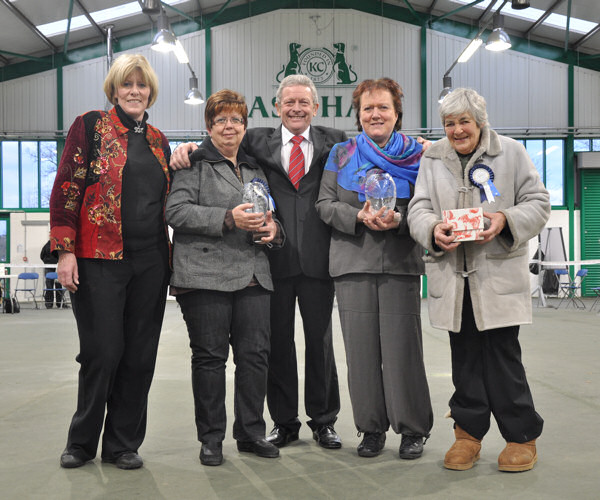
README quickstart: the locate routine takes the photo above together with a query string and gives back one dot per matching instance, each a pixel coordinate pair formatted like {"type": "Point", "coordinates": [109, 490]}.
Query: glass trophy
{"type": "Point", "coordinates": [256, 193]}
{"type": "Point", "coordinates": [380, 190]}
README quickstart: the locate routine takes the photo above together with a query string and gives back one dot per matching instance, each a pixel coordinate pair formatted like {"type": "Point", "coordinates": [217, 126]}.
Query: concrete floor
{"type": "Point", "coordinates": [38, 377]}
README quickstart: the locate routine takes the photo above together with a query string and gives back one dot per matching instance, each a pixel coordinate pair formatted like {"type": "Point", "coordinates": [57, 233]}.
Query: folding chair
{"type": "Point", "coordinates": [570, 289]}
{"type": "Point", "coordinates": [596, 290]}
{"type": "Point", "coordinates": [49, 292]}
{"type": "Point", "coordinates": [27, 284]}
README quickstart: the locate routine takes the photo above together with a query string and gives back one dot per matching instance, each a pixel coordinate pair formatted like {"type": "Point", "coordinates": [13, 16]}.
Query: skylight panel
{"type": "Point", "coordinates": [100, 17]}
{"type": "Point", "coordinates": [532, 14]}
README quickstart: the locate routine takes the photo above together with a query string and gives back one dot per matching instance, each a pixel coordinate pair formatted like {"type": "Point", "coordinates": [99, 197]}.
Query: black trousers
{"type": "Point", "coordinates": [321, 389]}
{"type": "Point", "coordinates": [489, 378]}
{"type": "Point", "coordinates": [119, 308]}
{"type": "Point", "coordinates": [214, 320]}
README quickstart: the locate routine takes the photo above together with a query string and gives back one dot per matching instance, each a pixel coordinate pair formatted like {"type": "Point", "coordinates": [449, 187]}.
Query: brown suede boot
{"type": "Point", "coordinates": [517, 457]}
{"type": "Point", "coordinates": [464, 452]}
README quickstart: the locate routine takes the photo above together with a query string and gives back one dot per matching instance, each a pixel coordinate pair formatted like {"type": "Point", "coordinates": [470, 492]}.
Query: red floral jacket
{"type": "Point", "coordinates": [85, 204]}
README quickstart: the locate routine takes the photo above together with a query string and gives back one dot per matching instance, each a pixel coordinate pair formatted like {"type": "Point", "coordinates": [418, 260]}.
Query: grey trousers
{"type": "Point", "coordinates": [381, 326]}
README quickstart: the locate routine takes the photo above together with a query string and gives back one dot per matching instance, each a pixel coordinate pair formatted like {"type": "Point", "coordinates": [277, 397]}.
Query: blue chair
{"type": "Point", "coordinates": [571, 289]}
{"type": "Point", "coordinates": [49, 292]}
{"type": "Point", "coordinates": [27, 285]}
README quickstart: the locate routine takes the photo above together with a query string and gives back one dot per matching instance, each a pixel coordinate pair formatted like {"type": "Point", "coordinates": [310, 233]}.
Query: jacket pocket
{"type": "Point", "coordinates": [507, 273]}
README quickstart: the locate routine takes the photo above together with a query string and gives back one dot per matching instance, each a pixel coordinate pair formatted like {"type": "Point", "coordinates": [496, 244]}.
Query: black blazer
{"type": "Point", "coordinates": [306, 250]}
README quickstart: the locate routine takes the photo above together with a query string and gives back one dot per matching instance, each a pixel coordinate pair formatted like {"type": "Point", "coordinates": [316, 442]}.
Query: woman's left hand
{"type": "Point", "coordinates": [269, 230]}
{"type": "Point", "coordinates": [378, 221]}
{"type": "Point", "coordinates": [497, 223]}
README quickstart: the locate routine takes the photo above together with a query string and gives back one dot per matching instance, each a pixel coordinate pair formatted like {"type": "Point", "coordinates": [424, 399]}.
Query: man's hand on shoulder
{"type": "Point", "coordinates": [181, 156]}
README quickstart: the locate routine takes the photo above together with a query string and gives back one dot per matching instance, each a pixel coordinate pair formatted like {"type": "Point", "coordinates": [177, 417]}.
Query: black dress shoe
{"type": "Point", "coordinates": [211, 454]}
{"type": "Point", "coordinates": [126, 461]}
{"type": "Point", "coordinates": [326, 436]}
{"type": "Point", "coordinates": [372, 444]}
{"type": "Point", "coordinates": [280, 436]}
{"type": "Point", "coordinates": [261, 448]}
{"type": "Point", "coordinates": [411, 447]}
{"type": "Point", "coordinates": [73, 459]}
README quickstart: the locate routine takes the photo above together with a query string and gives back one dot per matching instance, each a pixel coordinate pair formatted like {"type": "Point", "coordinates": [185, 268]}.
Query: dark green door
{"type": "Point", "coordinates": [590, 226]}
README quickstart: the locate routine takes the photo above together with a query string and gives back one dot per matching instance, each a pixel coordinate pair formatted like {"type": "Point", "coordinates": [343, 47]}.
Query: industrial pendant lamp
{"type": "Point", "coordinates": [151, 6]}
{"type": "Point", "coordinates": [498, 39]}
{"type": "Point", "coordinates": [193, 96]}
{"type": "Point", "coordinates": [447, 88]}
{"type": "Point", "coordinates": [520, 4]}
{"type": "Point", "coordinates": [164, 40]}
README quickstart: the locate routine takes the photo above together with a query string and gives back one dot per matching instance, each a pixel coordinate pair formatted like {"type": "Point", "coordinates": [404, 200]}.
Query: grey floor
{"type": "Point", "coordinates": [38, 377]}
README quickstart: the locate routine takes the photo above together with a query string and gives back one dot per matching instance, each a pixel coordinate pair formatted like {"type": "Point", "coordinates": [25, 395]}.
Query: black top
{"type": "Point", "coordinates": [143, 192]}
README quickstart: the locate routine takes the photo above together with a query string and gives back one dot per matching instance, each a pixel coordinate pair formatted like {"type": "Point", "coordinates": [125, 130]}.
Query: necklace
{"type": "Point", "coordinates": [139, 126]}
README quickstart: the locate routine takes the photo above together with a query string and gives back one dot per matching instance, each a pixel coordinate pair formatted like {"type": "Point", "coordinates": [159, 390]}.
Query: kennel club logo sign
{"type": "Point", "coordinates": [323, 66]}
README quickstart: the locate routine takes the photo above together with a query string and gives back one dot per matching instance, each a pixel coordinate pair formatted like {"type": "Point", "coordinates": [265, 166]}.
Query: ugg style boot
{"type": "Point", "coordinates": [464, 452]}
{"type": "Point", "coordinates": [518, 457]}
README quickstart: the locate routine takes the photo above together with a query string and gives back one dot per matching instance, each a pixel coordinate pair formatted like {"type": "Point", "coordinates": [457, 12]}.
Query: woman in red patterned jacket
{"type": "Point", "coordinates": [108, 229]}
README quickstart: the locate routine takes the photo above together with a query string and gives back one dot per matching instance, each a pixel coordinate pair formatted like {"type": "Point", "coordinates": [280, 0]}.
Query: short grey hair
{"type": "Point", "coordinates": [463, 100]}
{"type": "Point", "coordinates": [293, 80]}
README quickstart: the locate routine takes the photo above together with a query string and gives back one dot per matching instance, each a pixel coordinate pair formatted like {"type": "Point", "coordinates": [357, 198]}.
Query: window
{"type": "Point", "coordinates": [3, 239]}
{"type": "Point", "coordinates": [548, 157]}
{"type": "Point", "coordinates": [27, 171]}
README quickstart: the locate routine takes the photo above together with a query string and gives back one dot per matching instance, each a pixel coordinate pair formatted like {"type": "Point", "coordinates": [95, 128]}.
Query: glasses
{"type": "Point", "coordinates": [234, 121]}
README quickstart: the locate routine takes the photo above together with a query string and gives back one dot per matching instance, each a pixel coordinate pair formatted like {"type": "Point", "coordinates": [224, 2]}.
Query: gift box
{"type": "Point", "coordinates": [467, 223]}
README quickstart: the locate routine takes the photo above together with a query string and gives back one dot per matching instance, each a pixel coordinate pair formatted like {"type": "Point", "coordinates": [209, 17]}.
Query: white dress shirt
{"type": "Point", "coordinates": [286, 148]}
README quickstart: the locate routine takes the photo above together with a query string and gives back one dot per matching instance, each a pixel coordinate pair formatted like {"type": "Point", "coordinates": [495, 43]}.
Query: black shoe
{"type": "Point", "coordinates": [73, 459]}
{"type": "Point", "coordinates": [211, 454]}
{"type": "Point", "coordinates": [261, 448]}
{"type": "Point", "coordinates": [411, 447]}
{"type": "Point", "coordinates": [126, 461]}
{"type": "Point", "coordinates": [326, 436]}
{"type": "Point", "coordinates": [372, 444]}
{"type": "Point", "coordinates": [280, 436]}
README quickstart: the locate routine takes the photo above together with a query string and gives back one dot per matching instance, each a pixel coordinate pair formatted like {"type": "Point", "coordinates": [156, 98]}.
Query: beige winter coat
{"type": "Point", "coordinates": [497, 271]}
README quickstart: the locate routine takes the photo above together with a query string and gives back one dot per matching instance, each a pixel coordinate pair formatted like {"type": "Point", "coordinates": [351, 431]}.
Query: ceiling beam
{"type": "Point", "coordinates": [544, 16]}
{"type": "Point", "coordinates": [456, 11]}
{"type": "Point", "coordinates": [90, 19]}
{"type": "Point", "coordinates": [29, 24]}
{"type": "Point", "coordinates": [23, 56]}
{"type": "Point", "coordinates": [586, 37]}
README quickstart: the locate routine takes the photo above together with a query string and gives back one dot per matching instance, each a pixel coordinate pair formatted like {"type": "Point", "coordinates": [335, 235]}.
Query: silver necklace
{"type": "Point", "coordinates": [139, 126]}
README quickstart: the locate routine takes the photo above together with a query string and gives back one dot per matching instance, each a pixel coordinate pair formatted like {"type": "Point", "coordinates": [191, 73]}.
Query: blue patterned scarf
{"type": "Point", "coordinates": [354, 158]}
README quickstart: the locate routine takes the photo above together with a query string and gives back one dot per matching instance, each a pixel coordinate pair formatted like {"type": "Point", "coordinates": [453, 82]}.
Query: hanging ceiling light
{"type": "Point", "coordinates": [194, 96]}
{"type": "Point", "coordinates": [180, 52]}
{"type": "Point", "coordinates": [151, 6]}
{"type": "Point", "coordinates": [520, 4]}
{"type": "Point", "coordinates": [470, 49]}
{"type": "Point", "coordinates": [498, 39]}
{"type": "Point", "coordinates": [164, 40]}
{"type": "Point", "coordinates": [447, 88]}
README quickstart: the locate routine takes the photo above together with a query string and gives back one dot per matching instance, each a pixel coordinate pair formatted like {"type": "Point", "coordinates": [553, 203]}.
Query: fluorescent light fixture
{"type": "Point", "coordinates": [194, 97]}
{"type": "Point", "coordinates": [180, 53]}
{"type": "Point", "coordinates": [470, 49]}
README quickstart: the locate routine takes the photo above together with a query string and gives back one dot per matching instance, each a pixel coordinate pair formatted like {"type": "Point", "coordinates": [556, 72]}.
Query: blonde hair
{"type": "Point", "coordinates": [120, 70]}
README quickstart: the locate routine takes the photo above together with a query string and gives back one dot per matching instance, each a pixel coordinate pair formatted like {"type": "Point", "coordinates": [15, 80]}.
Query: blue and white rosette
{"type": "Point", "coordinates": [482, 177]}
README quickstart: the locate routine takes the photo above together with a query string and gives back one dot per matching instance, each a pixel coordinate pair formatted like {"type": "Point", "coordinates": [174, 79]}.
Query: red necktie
{"type": "Point", "coordinates": [296, 170]}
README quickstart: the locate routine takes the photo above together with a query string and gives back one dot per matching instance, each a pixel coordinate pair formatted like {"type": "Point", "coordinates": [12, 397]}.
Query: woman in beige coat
{"type": "Point", "coordinates": [479, 290]}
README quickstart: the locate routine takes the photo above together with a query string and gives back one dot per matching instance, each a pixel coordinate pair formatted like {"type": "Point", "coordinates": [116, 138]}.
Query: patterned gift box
{"type": "Point", "coordinates": [466, 223]}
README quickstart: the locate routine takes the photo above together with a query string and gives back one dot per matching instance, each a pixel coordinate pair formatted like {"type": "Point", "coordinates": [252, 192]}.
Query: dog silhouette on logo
{"type": "Point", "coordinates": [342, 69]}
{"type": "Point", "coordinates": [293, 66]}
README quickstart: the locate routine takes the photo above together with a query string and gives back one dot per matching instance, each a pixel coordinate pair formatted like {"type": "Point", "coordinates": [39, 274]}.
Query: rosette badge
{"type": "Point", "coordinates": [380, 190]}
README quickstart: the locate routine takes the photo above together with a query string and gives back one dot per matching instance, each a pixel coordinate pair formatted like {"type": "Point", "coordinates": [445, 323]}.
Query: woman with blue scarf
{"type": "Point", "coordinates": [376, 267]}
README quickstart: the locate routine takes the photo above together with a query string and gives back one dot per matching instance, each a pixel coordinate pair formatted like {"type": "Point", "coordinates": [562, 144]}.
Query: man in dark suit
{"type": "Point", "coordinates": [300, 268]}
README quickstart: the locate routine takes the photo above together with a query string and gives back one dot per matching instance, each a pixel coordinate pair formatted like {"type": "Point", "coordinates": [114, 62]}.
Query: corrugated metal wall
{"type": "Point", "coordinates": [587, 99]}
{"type": "Point", "coordinates": [29, 104]}
{"type": "Point", "coordinates": [374, 47]}
{"type": "Point", "coordinates": [522, 91]}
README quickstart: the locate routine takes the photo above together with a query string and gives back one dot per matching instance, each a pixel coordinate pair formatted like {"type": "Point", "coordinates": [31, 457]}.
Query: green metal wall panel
{"type": "Point", "coordinates": [590, 226]}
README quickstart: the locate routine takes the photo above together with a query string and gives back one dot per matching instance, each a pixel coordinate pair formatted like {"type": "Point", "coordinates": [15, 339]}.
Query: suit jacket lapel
{"type": "Point", "coordinates": [274, 144]}
{"type": "Point", "coordinates": [223, 169]}
{"type": "Point", "coordinates": [318, 141]}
